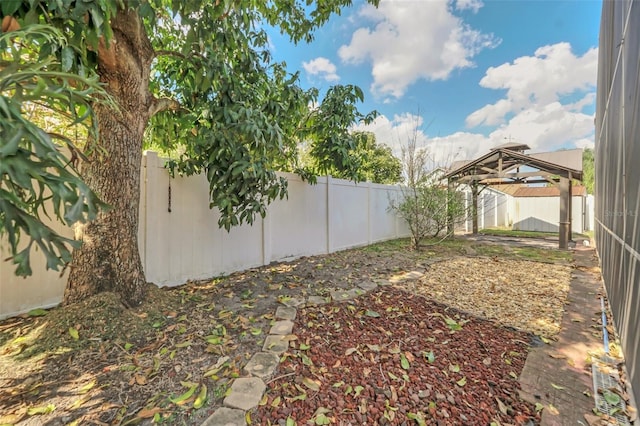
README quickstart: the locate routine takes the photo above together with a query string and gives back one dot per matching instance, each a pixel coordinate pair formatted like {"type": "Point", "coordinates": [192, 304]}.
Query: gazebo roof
{"type": "Point", "coordinates": [513, 146]}
{"type": "Point", "coordinates": [502, 165]}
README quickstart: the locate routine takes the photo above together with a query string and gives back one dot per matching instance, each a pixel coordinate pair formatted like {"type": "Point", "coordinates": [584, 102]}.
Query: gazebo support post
{"type": "Point", "coordinates": [474, 207]}
{"type": "Point", "coordinates": [565, 213]}
{"type": "Point", "coordinates": [450, 224]}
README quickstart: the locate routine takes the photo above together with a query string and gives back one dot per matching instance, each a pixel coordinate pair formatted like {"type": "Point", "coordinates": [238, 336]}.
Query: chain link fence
{"type": "Point", "coordinates": [617, 221]}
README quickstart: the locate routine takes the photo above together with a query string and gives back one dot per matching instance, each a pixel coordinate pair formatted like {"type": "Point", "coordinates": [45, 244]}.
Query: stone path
{"type": "Point", "coordinates": [246, 392]}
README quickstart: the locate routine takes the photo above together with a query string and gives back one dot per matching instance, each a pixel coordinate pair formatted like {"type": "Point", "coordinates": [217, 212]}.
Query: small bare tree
{"type": "Point", "coordinates": [426, 203]}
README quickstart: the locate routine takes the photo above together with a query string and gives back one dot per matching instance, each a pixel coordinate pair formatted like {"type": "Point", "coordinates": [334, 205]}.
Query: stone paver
{"type": "Point", "coordinates": [276, 344]}
{"type": "Point", "coordinates": [339, 295]}
{"type": "Point", "coordinates": [262, 364]}
{"type": "Point", "coordinates": [317, 300]}
{"type": "Point", "coordinates": [294, 302]}
{"type": "Point", "coordinates": [246, 393]}
{"type": "Point", "coordinates": [282, 327]}
{"type": "Point", "coordinates": [224, 416]}
{"type": "Point", "coordinates": [286, 312]}
{"type": "Point", "coordinates": [368, 285]}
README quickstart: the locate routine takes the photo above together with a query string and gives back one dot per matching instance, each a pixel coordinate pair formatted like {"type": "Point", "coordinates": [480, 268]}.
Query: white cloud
{"type": "Point", "coordinates": [412, 40]}
{"type": "Point", "coordinates": [546, 96]}
{"type": "Point", "coordinates": [545, 128]}
{"type": "Point", "coordinates": [472, 5]}
{"type": "Point", "coordinates": [532, 111]}
{"type": "Point", "coordinates": [554, 71]}
{"type": "Point", "coordinates": [548, 127]}
{"type": "Point", "coordinates": [397, 132]}
{"type": "Point", "coordinates": [587, 100]}
{"type": "Point", "coordinates": [321, 67]}
{"type": "Point", "coordinates": [585, 143]}
{"type": "Point", "coordinates": [490, 115]}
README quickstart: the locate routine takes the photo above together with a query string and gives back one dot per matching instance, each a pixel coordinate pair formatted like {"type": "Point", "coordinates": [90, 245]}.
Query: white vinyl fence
{"type": "Point", "coordinates": [493, 209]}
{"type": "Point", "coordinates": [180, 240]}
{"type": "Point", "coordinates": [497, 209]}
{"type": "Point", "coordinates": [543, 214]}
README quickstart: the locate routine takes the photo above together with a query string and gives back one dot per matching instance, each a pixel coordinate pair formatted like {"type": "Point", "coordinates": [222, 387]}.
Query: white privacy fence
{"type": "Point", "coordinates": [542, 214]}
{"type": "Point", "coordinates": [493, 209]}
{"type": "Point", "coordinates": [180, 240]}
{"type": "Point", "coordinates": [497, 209]}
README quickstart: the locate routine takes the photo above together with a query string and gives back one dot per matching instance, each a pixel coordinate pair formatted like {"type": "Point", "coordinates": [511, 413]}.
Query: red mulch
{"type": "Point", "coordinates": [394, 358]}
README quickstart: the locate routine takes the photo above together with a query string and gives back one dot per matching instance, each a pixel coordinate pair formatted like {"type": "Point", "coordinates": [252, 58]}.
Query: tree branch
{"type": "Point", "coordinates": [175, 54]}
{"type": "Point", "coordinates": [163, 104]}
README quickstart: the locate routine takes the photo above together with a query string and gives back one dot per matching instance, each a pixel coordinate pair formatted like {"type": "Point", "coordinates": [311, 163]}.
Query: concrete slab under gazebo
{"type": "Point", "coordinates": [502, 165]}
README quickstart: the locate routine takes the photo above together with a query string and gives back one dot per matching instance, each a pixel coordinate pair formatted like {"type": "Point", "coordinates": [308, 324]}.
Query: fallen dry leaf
{"type": "Point", "coordinates": [171, 349]}
{"type": "Point", "coordinates": [147, 413]}
{"type": "Point", "coordinates": [557, 356]}
{"type": "Point", "coordinates": [440, 380]}
{"type": "Point", "coordinates": [140, 379]}
{"type": "Point", "coordinates": [517, 293]}
{"type": "Point", "coordinates": [553, 410]}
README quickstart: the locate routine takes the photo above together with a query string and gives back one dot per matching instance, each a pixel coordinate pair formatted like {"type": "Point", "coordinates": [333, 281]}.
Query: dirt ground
{"type": "Point", "coordinates": [172, 359]}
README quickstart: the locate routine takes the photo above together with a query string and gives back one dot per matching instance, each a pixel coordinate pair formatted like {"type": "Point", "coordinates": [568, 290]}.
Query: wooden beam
{"type": "Point", "coordinates": [517, 181]}
{"type": "Point", "coordinates": [450, 224]}
{"type": "Point", "coordinates": [504, 176]}
{"type": "Point", "coordinates": [565, 211]}
{"type": "Point", "coordinates": [474, 208]}
{"type": "Point", "coordinates": [570, 213]}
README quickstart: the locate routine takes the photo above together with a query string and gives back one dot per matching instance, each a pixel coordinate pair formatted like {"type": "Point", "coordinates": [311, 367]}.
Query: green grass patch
{"type": "Point", "coordinates": [542, 255]}
{"type": "Point", "coordinates": [527, 253]}
{"type": "Point", "coordinates": [450, 247]}
{"type": "Point", "coordinates": [502, 232]}
{"type": "Point", "coordinates": [387, 246]}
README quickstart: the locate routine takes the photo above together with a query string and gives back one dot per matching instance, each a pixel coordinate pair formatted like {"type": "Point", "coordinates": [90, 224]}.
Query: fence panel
{"type": "Point", "coordinates": [543, 214]}
{"type": "Point", "coordinates": [298, 225]}
{"type": "Point", "coordinates": [42, 289]}
{"type": "Point", "coordinates": [182, 239]}
{"type": "Point", "coordinates": [384, 224]}
{"type": "Point", "coordinates": [179, 237]}
{"type": "Point", "coordinates": [349, 214]}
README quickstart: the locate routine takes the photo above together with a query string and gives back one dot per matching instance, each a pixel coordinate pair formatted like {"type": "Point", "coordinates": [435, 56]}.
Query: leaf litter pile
{"type": "Point", "coordinates": [172, 360]}
{"type": "Point", "coordinates": [517, 293]}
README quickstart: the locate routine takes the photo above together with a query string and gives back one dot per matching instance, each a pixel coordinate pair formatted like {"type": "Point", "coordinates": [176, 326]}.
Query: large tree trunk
{"type": "Point", "coordinates": [109, 259]}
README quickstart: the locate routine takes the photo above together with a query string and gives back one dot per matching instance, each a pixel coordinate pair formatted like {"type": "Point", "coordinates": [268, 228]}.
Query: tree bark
{"type": "Point", "coordinates": [109, 259]}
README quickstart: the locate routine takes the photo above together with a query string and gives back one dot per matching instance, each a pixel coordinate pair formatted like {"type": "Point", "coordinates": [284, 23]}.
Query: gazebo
{"type": "Point", "coordinates": [508, 164]}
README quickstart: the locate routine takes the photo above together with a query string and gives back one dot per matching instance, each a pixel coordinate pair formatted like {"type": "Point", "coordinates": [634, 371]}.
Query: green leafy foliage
{"type": "Point", "coordinates": [36, 173]}
{"type": "Point", "coordinates": [367, 161]}
{"type": "Point", "coordinates": [241, 117]}
{"type": "Point", "coordinates": [213, 94]}
{"type": "Point", "coordinates": [426, 209]}
{"type": "Point", "coordinates": [377, 164]}
{"type": "Point", "coordinates": [327, 129]}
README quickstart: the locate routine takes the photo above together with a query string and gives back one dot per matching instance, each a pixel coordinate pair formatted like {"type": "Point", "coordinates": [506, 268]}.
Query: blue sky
{"type": "Point", "coordinates": [468, 74]}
